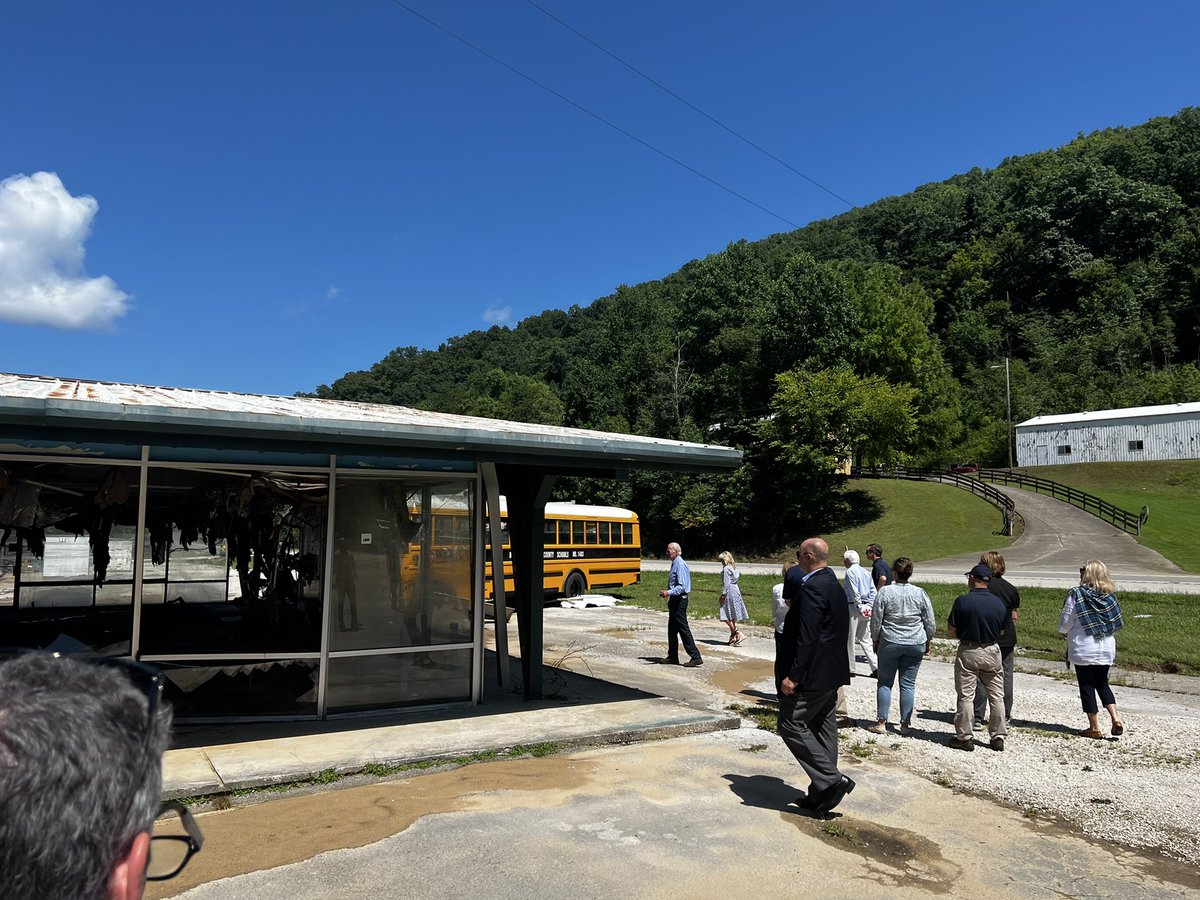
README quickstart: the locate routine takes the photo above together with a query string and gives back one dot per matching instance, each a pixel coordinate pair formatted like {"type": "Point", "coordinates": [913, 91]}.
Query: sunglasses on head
{"type": "Point", "coordinates": [169, 853]}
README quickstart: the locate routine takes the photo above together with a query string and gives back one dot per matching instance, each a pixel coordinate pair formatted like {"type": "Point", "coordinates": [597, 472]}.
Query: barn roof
{"type": "Point", "coordinates": [1101, 415]}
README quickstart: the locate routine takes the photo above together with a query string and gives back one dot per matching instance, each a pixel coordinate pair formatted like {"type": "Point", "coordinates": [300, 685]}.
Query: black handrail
{"type": "Point", "coordinates": [1127, 521]}
{"type": "Point", "coordinates": [995, 497]}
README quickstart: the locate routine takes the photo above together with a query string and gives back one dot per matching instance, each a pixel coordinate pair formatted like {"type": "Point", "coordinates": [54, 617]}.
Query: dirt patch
{"type": "Point", "coordinates": [294, 829]}
{"type": "Point", "coordinates": [895, 856]}
{"type": "Point", "coordinates": [629, 633]}
{"type": "Point", "coordinates": [736, 679]}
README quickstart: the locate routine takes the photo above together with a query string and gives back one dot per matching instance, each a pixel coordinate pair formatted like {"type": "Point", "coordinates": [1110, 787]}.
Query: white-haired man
{"type": "Point", "coordinates": [860, 599]}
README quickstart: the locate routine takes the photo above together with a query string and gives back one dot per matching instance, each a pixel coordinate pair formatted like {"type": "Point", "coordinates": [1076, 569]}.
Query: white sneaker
{"type": "Point", "coordinates": [878, 728]}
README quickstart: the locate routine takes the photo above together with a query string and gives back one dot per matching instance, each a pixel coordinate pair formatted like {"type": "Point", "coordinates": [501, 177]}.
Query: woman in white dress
{"type": "Point", "coordinates": [733, 607]}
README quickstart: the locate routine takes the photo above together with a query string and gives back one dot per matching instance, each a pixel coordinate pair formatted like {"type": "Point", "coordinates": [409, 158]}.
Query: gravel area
{"type": "Point", "coordinates": [1141, 790]}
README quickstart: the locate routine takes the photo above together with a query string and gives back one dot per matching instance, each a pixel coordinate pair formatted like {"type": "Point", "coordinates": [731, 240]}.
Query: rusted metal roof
{"type": "Point", "coordinates": [46, 400]}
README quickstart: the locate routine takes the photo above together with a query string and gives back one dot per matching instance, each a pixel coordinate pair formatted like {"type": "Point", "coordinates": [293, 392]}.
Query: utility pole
{"type": "Point", "coordinates": [1008, 432]}
{"type": "Point", "coordinates": [1008, 407]}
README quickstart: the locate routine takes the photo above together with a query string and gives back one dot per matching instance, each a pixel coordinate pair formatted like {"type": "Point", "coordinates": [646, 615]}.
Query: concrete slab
{"type": "Point", "coordinates": [188, 773]}
{"type": "Point", "coordinates": [238, 764]}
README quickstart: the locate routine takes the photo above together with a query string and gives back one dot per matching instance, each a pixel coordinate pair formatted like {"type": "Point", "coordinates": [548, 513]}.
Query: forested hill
{"type": "Point", "coordinates": [873, 333]}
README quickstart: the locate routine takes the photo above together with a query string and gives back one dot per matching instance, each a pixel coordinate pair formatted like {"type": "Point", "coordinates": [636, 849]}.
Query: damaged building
{"type": "Point", "coordinates": [281, 557]}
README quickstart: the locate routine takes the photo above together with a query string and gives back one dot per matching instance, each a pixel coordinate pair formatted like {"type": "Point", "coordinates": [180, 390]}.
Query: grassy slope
{"type": "Point", "coordinates": [1163, 640]}
{"type": "Point", "coordinates": [926, 521]}
{"type": "Point", "coordinates": [1170, 489]}
{"type": "Point", "coordinates": [923, 521]}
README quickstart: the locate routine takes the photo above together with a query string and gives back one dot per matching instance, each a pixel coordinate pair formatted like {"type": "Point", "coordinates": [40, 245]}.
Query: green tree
{"type": "Point", "coordinates": [822, 420]}
{"type": "Point", "coordinates": [496, 394]}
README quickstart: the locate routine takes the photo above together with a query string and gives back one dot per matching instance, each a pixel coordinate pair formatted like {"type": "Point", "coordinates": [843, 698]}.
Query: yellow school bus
{"type": "Point", "coordinates": [587, 548]}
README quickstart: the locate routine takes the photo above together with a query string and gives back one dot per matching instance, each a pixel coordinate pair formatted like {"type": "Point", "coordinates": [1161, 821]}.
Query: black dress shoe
{"type": "Point", "coordinates": [669, 661]}
{"type": "Point", "coordinates": [805, 802]}
{"type": "Point", "coordinates": [835, 795]}
{"type": "Point", "coordinates": [814, 798]}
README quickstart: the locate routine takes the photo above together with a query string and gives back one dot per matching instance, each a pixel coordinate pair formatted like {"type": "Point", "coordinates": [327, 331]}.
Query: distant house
{"type": "Point", "coordinates": [1111, 435]}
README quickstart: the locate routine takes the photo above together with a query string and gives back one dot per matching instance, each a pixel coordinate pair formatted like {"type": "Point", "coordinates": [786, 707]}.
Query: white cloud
{"type": "Point", "coordinates": [42, 282]}
{"type": "Point", "coordinates": [497, 315]}
{"type": "Point", "coordinates": [334, 293]}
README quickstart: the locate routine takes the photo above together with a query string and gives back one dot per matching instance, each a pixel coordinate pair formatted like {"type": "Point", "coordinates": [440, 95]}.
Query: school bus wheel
{"type": "Point", "coordinates": [574, 585]}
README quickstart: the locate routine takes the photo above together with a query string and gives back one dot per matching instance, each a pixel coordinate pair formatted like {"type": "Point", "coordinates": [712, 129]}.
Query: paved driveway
{"type": "Point", "coordinates": [1057, 539]}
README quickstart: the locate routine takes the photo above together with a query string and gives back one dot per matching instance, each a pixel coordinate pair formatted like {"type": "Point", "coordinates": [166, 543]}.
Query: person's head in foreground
{"type": "Point", "coordinates": [81, 744]}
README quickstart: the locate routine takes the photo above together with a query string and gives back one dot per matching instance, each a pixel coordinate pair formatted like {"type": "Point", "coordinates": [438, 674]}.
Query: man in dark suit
{"type": "Point", "coordinates": [813, 654]}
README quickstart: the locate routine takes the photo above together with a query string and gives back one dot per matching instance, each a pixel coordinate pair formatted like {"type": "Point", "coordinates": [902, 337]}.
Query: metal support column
{"type": "Point", "coordinates": [526, 490]}
{"type": "Point", "coordinates": [327, 604]}
{"type": "Point", "coordinates": [139, 544]}
{"type": "Point", "coordinates": [491, 491]}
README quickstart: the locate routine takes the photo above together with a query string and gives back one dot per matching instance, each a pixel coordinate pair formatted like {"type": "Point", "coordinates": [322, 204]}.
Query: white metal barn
{"type": "Point", "coordinates": [1111, 435]}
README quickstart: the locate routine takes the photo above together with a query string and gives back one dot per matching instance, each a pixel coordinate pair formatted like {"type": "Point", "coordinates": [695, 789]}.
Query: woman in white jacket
{"type": "Point", "coordinates": [1091, 616]}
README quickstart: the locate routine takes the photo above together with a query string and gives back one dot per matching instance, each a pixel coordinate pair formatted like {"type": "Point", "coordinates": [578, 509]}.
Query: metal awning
{"type": "Point", "coordinates": [140, 413]}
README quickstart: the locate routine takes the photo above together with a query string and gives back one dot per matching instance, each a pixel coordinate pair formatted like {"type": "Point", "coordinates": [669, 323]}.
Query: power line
{"type": "Point", "coordinates": [596, 116]}
{"type": "Point", "coordinates": [689, 104]}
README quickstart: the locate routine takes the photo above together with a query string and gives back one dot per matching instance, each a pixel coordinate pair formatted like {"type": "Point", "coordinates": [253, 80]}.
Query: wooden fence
{"type": "Point", "coordinates": [1127, 521]}
{"type": "Point", "coordinates": [997, 498]}
{"type": "Point", "coordinates": [980, 483]}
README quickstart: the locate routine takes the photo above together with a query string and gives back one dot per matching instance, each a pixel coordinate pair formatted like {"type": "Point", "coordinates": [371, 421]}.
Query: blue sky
{"type": "Point", "coordinates": [281, 192]}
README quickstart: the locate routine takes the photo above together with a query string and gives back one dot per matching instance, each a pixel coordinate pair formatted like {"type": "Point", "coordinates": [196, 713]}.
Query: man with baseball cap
{"type": "Point", "coordinates": [976, 619]}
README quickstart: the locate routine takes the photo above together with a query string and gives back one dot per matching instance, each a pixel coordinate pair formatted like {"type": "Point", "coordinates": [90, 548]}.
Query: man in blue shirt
{"type": "Point", "coordinates": [679, 585]}
{"type": "Point", "coordinates": [881, 572]}
{"type": "Point", "coordinates": [976, 619]}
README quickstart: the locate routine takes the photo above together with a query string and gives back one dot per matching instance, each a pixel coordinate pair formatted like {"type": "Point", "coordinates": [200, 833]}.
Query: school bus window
{"type": "Point", "coordinates": [626, 532]}
{"type": "Point", "coordinates": [603, 532]}
{"type": "Point", "coordinates": [550, 534]}
{"type": "Point", "coordinates": [576, 532]}
{"type": "Point", "coordinates": [591, 529]}
{"type": "Point", "coordinates": [456, 529]}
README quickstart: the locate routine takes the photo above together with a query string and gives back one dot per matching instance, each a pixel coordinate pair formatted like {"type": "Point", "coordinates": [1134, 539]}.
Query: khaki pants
{"type": "Point", "coordinates": [982, 661]}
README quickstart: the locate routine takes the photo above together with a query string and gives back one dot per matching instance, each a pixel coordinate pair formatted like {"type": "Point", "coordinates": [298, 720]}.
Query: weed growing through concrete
{"type": "Point", "coordinates": [765, 717]}
{"type": "Point", "coordinates": [554, 684]}
{"type": "Point", "coordinates": [546, 748]}
{"type": "Point", "coordinates": [754, 748]}
{"type": "Point", "coordinates": [834, 829]}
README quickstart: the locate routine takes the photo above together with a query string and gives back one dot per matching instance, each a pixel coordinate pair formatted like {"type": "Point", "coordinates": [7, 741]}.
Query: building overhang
{"type": "Point", "coordinates": [42, 407]}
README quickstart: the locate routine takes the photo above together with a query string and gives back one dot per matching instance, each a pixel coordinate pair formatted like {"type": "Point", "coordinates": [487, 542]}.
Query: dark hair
{"type": "Point", "coordinates": [902, 568]}
{"type": "Point", "coordinates": [78, 781]}
{"type": "Point", "coordinates": [875, 548]}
